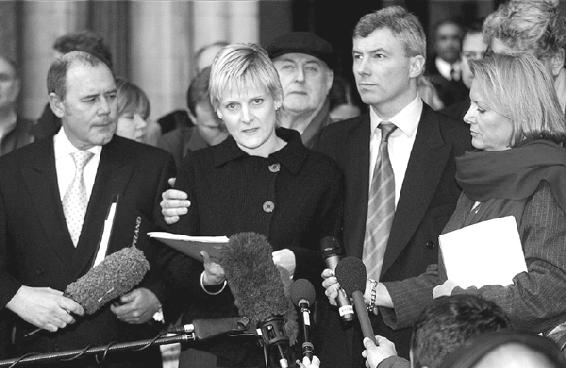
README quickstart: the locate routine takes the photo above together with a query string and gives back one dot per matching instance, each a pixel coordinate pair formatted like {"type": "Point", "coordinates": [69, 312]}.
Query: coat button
{"type": "Point", "coordinates": [268, 206]}
{"type": "Point", "coordinates": [430, 244]}
{"type": "Point", "coordinates": [274, 167]}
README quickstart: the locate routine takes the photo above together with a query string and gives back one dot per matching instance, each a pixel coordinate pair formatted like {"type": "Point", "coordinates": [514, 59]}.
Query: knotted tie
{"type": "Point", "coordinates": [381, 207]}
{"type": "Point", "coordinates": [75, 201]}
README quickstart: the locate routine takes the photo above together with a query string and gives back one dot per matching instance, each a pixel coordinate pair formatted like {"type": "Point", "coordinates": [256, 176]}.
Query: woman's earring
{"type": "Point", "coordinates": [219, 115]}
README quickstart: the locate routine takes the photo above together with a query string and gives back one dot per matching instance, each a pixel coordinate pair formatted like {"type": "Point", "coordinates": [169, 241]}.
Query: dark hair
{"type": "Point", "coordinates": [87, 41]}
{"type": "Point", "coordinates": [481, 346]}
{"type": "Point", "coordinates": [198, 90]}
{"type": "Point", "coordinates": [475, 26]}
{"type": "Point", "coordinates": [57, 74]}
{"type": "Point", "coordinates": [453, 21]}
{"type": "Point", "coordinates": [449, 322]}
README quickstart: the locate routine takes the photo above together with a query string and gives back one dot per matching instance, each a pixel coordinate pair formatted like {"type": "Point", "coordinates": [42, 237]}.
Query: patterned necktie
{"type": "Point", "coordinates": [75, 201]}
{"type": "Point", "coordinates": [381, 207]}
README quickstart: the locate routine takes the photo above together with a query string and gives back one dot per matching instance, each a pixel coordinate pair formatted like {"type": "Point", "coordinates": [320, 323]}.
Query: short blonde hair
{"type": "Point", "coordinates": [239, 66]}
{"type": "Point", "coordinates": [519, 87]}
{"type": "Point", "coordinates": [531, 26]}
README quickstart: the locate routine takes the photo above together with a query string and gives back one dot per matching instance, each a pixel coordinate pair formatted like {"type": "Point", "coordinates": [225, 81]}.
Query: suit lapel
{"type": "Point", "coordinates": [40, 177]}
{"type": "Point", "coordinates": [356, 173]}
{"type": "Point", "coordinates": [426, 165]}
{"type": "Point", "coordinates": [112, 178]}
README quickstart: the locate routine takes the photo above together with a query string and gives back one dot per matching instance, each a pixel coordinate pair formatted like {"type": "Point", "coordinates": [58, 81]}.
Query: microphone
{"type": "Point", "coordinates": [331, 250]}
{"type": "Point", "coordinates": [117, 274]}
{"type": "Point", "coordinates": [352, 275]}
{"type": "Point", "coordinates": [303, 296]}
{"type": "Point", "coordinates": [258, 291]}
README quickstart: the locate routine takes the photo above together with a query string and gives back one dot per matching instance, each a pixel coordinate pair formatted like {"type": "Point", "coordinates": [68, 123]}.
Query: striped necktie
{"type": "Point", "coordinates": [381, 207]}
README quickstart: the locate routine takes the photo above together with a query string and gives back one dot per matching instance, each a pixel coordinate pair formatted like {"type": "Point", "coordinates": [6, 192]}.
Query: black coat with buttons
{"type": "Point", "coordinates": [294, 197]}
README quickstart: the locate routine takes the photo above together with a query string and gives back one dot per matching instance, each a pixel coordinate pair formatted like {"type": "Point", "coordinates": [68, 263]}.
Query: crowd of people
{"type": "Point", "coordinates": [271, 143]}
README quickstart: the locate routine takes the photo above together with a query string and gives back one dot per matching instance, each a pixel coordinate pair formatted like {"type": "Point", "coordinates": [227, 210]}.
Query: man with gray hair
{"type": "Point", "coordinates": [53, 210]}
{"type": "Point", "coordinates": [399, 170]}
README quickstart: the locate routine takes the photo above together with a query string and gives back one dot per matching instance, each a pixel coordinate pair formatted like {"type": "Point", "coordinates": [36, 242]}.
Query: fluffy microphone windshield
{"type": "Point", "coordinates": [351, 274]}
{"type": "Point", "coordinates": [302, 290]}
{"type": "Point", "coordinates": [117, 274]}
{"type": "Point", "coordinates": [253, 278]}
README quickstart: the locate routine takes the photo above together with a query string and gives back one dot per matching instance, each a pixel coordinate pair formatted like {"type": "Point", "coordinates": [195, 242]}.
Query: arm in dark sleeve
{"type": "Point", "coordinates": [536, 298]}
{"type": "Point", "coordinates": [8, 284]}
{"type": "Point", "coordinates": [329, 216]}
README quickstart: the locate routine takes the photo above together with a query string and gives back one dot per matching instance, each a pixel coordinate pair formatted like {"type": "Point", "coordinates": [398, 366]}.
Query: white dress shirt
{"type": "Point", "coordinates": [444, 67]}
{"type": "Point", "coordinates": [65, 165]}
{"type": "Point", "coordinates": [400, 143]}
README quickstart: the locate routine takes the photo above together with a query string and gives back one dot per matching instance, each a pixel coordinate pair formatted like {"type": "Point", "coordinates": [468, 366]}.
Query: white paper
{"type": "Point", "coordinates": [486, 253]}
{"type": "Point", "coordinates": [105, 238]}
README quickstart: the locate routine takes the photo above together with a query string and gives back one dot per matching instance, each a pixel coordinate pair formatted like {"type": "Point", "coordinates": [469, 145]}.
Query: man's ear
{"type": "Point", "coordinates": [192, 117]}
{"type": "Point", "coordinates": [416, 66]}
{"type": "Point", "coordinates": [57, 105]}
{"type": "Point", "coordinates": [329, 80]}
{"type": "Point", "coordinates": [556, 62]}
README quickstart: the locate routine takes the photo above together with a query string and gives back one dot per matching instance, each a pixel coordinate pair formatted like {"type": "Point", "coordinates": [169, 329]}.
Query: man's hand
{"type": "Point", "coordinates": [307, 363]}
{"type": "Point", "coordinates": [330, 284]}
{"type": "Point", "coordinates": [44, 307]}
{"type": "Point", "coordinates": [286, 259]}
{"type": "Point", "coordinates": [137, 306]}
{"type": "Point", "coordinates": [375, 354]}
{"type": "Point", "coordinates": [443, 290]}
{"type": "Point", "coordinates": [174, 204]}
{"type": "Point", "coordinates": [213, 272]}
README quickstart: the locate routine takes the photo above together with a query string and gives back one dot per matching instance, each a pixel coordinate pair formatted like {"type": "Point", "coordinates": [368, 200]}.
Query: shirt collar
{"type": "Point", "coordinates": [406, 120]}
{"type": "Point", "coordinates": [292, 156]}
{"type": "Point", "coordinates": [443, 67]}
{"type": "Point", "coordinates": [63, 146]}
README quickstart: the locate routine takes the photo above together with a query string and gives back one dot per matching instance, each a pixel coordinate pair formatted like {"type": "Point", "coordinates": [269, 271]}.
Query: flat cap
{"type": "Point", "coordinates": [304, 43]}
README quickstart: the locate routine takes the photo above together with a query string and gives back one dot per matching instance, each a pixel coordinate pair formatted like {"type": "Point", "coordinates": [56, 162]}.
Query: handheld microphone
{"type": "Point", "coordinates": [303, 296]}
{"type": "Point", "coordinates": [331, 250]}
{"type": "Point", "coordinates": [116, 275]}
{"type": "Point", "coordinates": [258, 290]}
{"type": "Point", "coordinates": [352, 275]}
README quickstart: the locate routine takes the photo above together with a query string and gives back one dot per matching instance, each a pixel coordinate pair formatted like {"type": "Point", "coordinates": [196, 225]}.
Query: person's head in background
{"type": "Point", "coordinates": [512, 101]}
{"type": "Point", "coordinates": [133, 111]}
{"type": "Point", "coordinates": [246, 93]}
{"type": "Point", "coordinates": [448, 324]}
{"type": "Point", "coordinates": [473, 48]}
{"type": "Point", "coordinates": [304, 62]}
{"type": "Point", "coordinates": [342, 105]}
{"type": "Point", "coordinates": [86, 41]}
{"type": "Point", "coordinates": [389, 52]}
{"type": "Point", "coordinates": [507, 349]}
{"type": "Point", "coordinates": [205, 55]}
{"type": "Point", "coordinates": [533, 26]}
{"type": "Point", "coordinates": [201, 112]}
{"type": "Point", "coordinates": [447, 38]}
{"type": "Point", "coordinates": [9, 85]}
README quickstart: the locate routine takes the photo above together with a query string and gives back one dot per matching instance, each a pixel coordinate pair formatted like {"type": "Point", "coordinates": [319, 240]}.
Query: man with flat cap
{"type": "Point", "coordinates": [304, 62]}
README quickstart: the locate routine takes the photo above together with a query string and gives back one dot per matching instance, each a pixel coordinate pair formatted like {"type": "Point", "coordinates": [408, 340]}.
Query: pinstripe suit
{"type": "Point", "coordinates": [535, 301]}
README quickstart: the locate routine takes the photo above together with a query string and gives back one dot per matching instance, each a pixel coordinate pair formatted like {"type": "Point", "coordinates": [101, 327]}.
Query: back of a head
{"type": "Point", "coordinates": [404, 25]}
{"type": "Point", "coordinates": [240, 66]}
{"type": "Point", "coordinates": [87, 41]}
{"type": "Point", "coordinates": [507, 349]}
{"type": "Point", "coordinates": [204, 56]}
{"type": "Point", "coordinates": [449, 323]}
{"type": "Point", "coordinates": [198, 90]}
{"type": "Point", "coordinates": [528, 25]}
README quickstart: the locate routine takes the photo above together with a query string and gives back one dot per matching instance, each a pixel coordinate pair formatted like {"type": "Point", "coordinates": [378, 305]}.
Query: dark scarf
{"type": "Point", "coordinates": [513, 174]}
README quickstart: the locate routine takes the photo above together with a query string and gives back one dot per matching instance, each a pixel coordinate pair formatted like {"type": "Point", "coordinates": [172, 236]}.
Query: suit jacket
{"type": "Point", "coordinates": [36, 248]}
{"type": "Point", "coordinates": [448, 91]}
{"type": "Point", "coordinates": [428, 197]}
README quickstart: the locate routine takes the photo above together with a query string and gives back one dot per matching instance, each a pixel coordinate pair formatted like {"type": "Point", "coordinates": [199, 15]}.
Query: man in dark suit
{"type": "Point", "coordinates": [53, 206]}
{"type": "Point", "coordinates": [389, 51]}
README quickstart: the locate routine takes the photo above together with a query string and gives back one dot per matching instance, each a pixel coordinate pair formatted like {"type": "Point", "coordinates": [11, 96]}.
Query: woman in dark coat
{"type": "Point", "coordinates": [260, 179]}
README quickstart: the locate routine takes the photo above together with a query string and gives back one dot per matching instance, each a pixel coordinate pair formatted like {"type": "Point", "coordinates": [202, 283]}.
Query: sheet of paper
{"type": "Point", "coordinates": [192, 245]}
{"type": "Point", "coordinates": [486, 253]}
